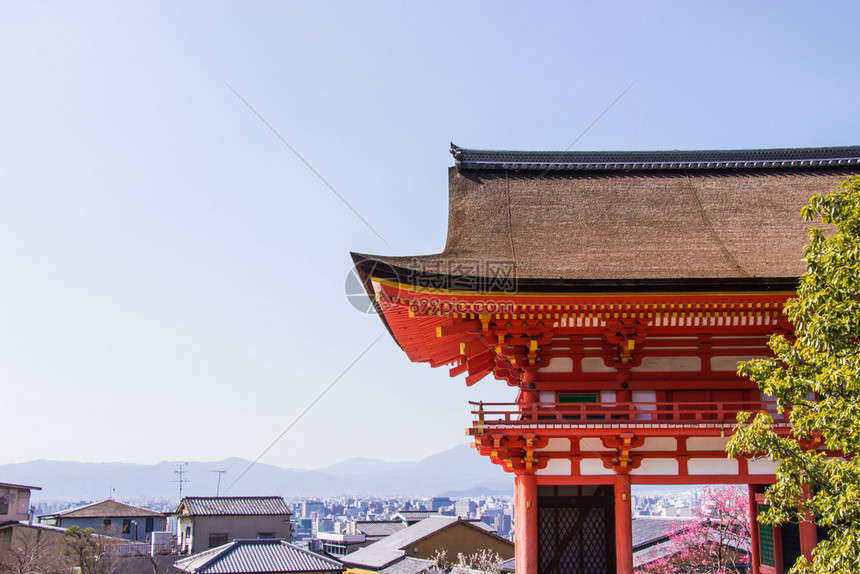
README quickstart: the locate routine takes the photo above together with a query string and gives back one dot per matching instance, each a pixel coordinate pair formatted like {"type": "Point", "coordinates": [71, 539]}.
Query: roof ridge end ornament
{"type": "Point", "coordinates": [456, 151]}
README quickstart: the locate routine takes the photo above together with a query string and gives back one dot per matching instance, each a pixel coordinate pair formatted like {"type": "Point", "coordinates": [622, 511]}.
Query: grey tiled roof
{"type": "Point", "coordinates": [662, 547]}
{"type": "Point", "coordinates": [389, 549]}
{"type": "Point", "coordinates": [413, 515]}
{"type": "Point", "coordinates": [409, 565]}
{"type": "Point", "coordinates": [235, 505]}
{"type": "Point", "coordinates": [649, 530]}
{"type": "Point", "coordinates": [257, 556]}
{"type": "Point", "coordinates": [105, 508]}
{"type": "Point", "coordinates": [379, 527]}
{"type": "Point", "coordinates": [778, 158]}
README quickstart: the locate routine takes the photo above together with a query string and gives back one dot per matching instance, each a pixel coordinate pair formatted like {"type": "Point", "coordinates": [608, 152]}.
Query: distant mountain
{"type": "Point", "coordinates": [456, 469]}
{"type": "Point", "coordinates": [357, 466]}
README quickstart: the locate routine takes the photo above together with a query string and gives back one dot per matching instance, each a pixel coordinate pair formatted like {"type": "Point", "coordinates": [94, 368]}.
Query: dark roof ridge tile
{"type": "Point", "coordinates": [765, 158]}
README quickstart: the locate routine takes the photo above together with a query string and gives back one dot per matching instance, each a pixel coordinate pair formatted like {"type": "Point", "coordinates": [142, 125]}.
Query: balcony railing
{"type": "Point", "coordinates": [633, 413]}
{"type": "Point", "coordinates": [140, 549]}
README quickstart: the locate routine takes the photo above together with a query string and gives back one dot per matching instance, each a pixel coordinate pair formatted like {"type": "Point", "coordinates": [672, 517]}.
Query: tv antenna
{"type": "Point", "coordinates": [181, 480]}
{"type": "Point", "coordinates": [220, 472]}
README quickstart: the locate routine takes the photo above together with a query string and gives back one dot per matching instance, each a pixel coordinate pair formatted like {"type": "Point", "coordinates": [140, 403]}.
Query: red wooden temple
{"type": "Point", "coordinates": [617, 292]}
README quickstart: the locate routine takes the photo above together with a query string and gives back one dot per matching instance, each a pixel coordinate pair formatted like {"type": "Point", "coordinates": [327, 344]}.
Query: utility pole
{"type": "Point", "coordinates": [220, 472]}
{"type": "Point", "coordinates": [182, 480]}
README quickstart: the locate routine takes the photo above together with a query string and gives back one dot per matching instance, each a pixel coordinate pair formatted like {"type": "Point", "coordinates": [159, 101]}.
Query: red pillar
{"type": "Point", "coordinates": [525, 537]}
{"type": "Point", "coordinates": [755, 547]}
{"type": "Point", "coordinates": [808, 532]}
{"type": "Point", "coordinates": [808, 539]}
{"type": "Point", "coordinates": [777, 550]}
{"type": "Point", "coordinates": [623, 525]}
{"type": "Point", "coordinates": [529, 398]}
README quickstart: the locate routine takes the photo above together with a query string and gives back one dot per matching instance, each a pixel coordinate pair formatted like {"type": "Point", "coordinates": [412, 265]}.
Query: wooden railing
{"type": "Point", "coordinates": [704, 412]}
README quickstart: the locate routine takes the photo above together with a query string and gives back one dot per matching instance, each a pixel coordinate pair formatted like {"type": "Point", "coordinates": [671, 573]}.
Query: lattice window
{"type": "Point", "coordinates": [765, 536]}
{"type": "Point", "coordinates": [576, 535]}
{"type": "Point", "coordinates": [576, 398]}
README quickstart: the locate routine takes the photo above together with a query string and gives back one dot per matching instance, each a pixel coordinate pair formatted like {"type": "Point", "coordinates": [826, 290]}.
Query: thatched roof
{"type": "Point", "coordinates": [557, 218]}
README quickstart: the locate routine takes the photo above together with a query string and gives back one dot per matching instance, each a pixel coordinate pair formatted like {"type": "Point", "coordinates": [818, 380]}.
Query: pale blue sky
{"type": "Point", "coordinates": [171, 275]}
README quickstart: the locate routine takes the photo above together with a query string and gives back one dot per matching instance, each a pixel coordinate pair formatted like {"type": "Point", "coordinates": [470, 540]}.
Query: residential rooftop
{"type": "Point", "coordinates": [104, 508]}
{"type": "Point", "coordinates": [23, 486]}
{"type": "Point", "coordinates": [388, 550]}
{"type": "Point", "coordinates": [232, 505]}
{"type": "Point", "coordinates": [256, 557]}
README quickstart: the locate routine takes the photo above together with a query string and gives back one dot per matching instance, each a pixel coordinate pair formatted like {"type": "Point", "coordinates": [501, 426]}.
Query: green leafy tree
{"type": "Point", "coordinates": [815, 378]}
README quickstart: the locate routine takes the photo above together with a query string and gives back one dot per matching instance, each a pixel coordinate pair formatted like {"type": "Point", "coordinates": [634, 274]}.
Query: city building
{"type": "Point", "coordinates": [313, 506]}
{"type": "Point", "coordinates": [465, 508]}
{"type": "Point", "coordinates": [324, 525]}
{"type": "Point", "coordinates": [208, 521]}
{"type": "Point", "coordinates": [111, 518]}
{"type": "Point", "coordinates": [502, 524]}
{"type": "Point", "coordinates": [437, 503]}
{"type": "Point", "coordinates": [304, 528]}
{"type": "Point", "coordinates": [615, 292]}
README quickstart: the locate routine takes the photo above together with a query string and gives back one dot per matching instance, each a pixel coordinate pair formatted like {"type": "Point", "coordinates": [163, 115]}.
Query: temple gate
{"type": "Point", "coordinates": [616, 292]}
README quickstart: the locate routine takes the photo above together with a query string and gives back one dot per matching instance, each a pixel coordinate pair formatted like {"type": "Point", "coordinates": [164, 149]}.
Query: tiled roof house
{"type": "Point", "coordinates": [423, 539]}
{"type": "Point", "coordinates": [110, 517]}
{"type": "Point", "coordinates": [209, 522]}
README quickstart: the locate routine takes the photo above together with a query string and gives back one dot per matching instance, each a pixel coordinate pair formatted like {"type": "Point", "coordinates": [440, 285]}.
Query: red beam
{"type": "Point", "coordinates": [455, 328]}
{"type": "Point", "coordinates": [481, 363]}
{"type": "Point", "coordinates": [472, 379]}
{"type": "Point", "coordinates": [473, 348]}
{"type": "Point", "coordinates": [459, 369]}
